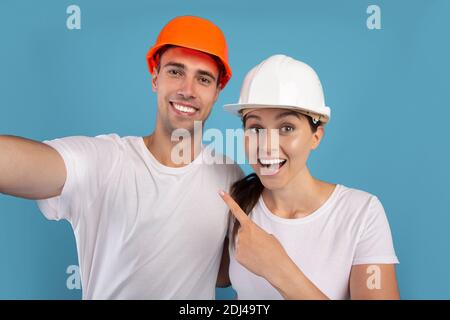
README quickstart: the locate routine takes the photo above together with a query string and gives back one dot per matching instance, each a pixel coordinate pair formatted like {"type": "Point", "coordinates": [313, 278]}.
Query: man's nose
{"type": "Point", "coordinates": [187, 89]}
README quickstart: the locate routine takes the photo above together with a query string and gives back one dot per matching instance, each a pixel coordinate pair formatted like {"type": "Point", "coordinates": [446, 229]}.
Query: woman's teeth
{"type": "Point", "coordinates": [271, 167]}
{"type": "Point", "coordinates": [184, 109]}
{"type": "Point", "coordinates": [271, 161]}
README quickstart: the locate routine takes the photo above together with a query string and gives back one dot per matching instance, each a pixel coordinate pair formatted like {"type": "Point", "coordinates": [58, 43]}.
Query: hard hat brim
{"type": "Point", "coordinates": [236, 109]}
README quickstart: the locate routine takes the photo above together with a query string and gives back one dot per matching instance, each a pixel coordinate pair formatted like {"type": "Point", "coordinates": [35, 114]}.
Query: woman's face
{"type": "Point", "coordinates": [279, 153]}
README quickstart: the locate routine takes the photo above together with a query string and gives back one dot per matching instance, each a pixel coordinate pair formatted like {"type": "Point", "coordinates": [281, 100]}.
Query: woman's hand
{"type": "Point", "coordinates": [262, 254]}
{"type": "Point", "coordinates": [255, 249]}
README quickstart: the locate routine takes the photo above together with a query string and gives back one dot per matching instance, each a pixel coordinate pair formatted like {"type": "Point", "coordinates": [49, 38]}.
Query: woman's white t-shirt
{"type": "Point", "coordinates": [350, 228]}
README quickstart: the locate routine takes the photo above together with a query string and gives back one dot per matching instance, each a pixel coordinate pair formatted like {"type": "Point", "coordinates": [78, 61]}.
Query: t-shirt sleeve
{"type": "Point", "coordinates": [375, 245]}
{"type": "Point", "coordinates": [88, 161]}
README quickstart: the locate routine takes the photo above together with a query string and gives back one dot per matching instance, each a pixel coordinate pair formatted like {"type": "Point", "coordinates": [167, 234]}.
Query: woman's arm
{"type": "Point", "coordinates": [367, 282]}
{"type": "Point", "coordinates": [292, 283]}
{"type": "Point", "coordinates": [372, 282]}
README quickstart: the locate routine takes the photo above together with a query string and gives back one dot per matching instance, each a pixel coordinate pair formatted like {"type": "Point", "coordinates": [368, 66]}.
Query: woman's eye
{"type": "Point", "coordinates": [253, 130]}
{"type": "Point", "coordinates": [287, 129]}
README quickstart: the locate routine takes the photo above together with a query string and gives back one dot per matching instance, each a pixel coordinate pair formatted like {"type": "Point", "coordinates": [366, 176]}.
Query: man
{"type": "Point", "coordinates": [147, 226]}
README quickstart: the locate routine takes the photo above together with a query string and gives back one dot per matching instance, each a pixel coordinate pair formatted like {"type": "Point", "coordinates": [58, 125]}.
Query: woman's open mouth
{"type": "Point", "coordinates": [270, 167]}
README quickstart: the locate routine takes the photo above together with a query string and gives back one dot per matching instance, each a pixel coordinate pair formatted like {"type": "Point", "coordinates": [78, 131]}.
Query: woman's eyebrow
{"type": "Point", "coordinates": [252, 116]}
{"type": "Point", "coordinates": [246, 117]}
{"type": "Point", "coordinates": [286, 114]}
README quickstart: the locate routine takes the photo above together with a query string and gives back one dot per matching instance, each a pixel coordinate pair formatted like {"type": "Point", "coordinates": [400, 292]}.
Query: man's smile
{"type": "Point", "coordinates": [183, 108]}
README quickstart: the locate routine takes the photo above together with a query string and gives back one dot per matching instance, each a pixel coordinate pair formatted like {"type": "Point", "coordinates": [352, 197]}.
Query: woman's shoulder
{"type": "Point", "coordinates": [356, 200]}
{"type": "Point", "coordinates": [355, 194]}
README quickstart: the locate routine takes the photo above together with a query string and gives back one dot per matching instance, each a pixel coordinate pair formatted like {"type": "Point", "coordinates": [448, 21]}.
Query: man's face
{"type": "Point", "coordinates": [186, 88]}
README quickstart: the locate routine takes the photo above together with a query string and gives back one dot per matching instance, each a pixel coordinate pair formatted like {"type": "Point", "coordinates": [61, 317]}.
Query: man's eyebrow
{"type": "Point", "coordinates": [182, 66]}
{"type": "Point", "coordinates": [174, 64]}
{"type": "Point", "coordinates": [286, 114]}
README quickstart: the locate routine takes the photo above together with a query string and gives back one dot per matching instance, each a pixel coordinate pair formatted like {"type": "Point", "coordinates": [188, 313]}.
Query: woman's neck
{"type": "Point", "coordinates": [301, 197]}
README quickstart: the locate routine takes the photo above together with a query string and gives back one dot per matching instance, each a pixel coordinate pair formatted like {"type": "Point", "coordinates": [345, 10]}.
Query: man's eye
{"type": "Point", "coordinates": [204, 80]}
{"type": "Point", "coordinates": [174, 72]}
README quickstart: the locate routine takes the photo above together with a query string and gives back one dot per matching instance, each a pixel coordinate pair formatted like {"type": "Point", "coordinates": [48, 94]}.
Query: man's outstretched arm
{"type": "Point", "coordinates": [30, 169]}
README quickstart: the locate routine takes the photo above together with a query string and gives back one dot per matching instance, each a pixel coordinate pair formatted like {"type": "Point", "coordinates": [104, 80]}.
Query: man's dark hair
{"type": "Point", "coordinates": [163, 49]}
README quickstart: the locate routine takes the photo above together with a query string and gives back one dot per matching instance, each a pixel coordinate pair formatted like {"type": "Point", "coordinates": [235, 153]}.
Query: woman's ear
{"type": "Point", "coordinates": [317, 137]}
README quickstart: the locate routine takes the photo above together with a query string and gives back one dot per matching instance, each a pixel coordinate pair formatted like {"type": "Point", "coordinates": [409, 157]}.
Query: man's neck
{"type": "Point", "coordinates": [167, 152]}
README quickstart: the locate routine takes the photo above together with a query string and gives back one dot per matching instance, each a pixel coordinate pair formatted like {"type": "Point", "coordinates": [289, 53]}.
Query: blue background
{"type": "Point", "coordinates": [388, 90]}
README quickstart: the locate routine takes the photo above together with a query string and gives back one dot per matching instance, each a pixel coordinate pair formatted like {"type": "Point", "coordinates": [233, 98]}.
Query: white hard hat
{"type": "Point", "coordinates": [283, 82]}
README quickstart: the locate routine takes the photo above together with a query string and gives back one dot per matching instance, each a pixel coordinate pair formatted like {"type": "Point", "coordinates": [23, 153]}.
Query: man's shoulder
{"type": "Point", "coordinates": [99, 144]}
{"type": "Point", "coordinates": [114, 139]}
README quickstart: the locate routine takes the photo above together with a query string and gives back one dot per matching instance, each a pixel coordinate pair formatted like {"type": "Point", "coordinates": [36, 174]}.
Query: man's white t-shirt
{"type": "Point", "coordinates": [143, 230]}
{"type": "Point", "coordinates": [350, 228]}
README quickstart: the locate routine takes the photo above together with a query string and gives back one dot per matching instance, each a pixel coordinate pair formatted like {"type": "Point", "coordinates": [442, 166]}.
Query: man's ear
{"type": "Point", "coordinates": [218, 90]}
{"type": "Point", "coordinates": [317, 137]}
{"type": "Point", "coordinates": [154, 79]}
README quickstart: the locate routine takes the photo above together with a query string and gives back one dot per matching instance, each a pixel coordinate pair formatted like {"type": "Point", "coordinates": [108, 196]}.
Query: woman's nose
{"type": "Point", "coordinates": [269, 143]}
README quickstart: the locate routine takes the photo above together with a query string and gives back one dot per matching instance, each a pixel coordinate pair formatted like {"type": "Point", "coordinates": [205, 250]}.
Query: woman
{"type": "Point", "coordinates": [294, 236]}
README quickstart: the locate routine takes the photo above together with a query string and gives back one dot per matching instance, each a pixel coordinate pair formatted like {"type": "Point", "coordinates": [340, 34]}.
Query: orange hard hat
{"type": "Point", "coordinates": [193, 33]}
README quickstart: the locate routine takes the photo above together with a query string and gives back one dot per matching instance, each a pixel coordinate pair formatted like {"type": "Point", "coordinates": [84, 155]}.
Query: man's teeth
{"type": "Point", "coordinates": [267, 162]}
{"type": "Point", "coordinates": [182, 108]}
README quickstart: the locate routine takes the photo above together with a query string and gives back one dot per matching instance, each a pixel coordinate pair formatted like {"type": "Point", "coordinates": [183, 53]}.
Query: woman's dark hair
{"type": "Point", "coordinates": [247, 191]}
